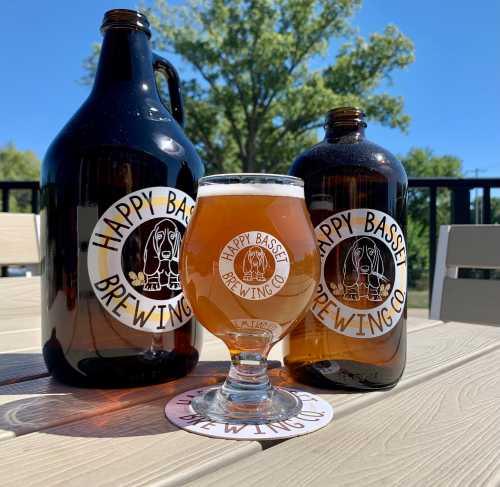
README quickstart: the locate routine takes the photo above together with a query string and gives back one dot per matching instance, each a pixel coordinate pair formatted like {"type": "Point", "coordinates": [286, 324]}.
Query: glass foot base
{"type": "Point", "coordinates": [278, 405]}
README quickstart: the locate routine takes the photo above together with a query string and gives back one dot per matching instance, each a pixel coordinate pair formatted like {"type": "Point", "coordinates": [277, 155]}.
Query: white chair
{"type": "Point", "coordinates": [19, 245]}
{"type": "Point", "coordinates": [468, 300]}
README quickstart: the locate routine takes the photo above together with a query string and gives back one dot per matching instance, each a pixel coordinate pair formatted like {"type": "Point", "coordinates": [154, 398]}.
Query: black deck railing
{"type": "Point", "coordinates": [7, 187]}
{"type": "Point", "coordinates": [460, 202]}
{"type": "Point", "coordinates": [460, 189]}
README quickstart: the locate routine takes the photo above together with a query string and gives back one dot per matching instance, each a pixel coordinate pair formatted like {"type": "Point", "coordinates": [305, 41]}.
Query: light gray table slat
{"type": "Point", "coordinates": [41, 403]}
{"type": "Point", "coordinates": [131, 447]}
{"type": "Point", "coordinates": [20, 323]}
{"type": "Point", "coordinates": [19, 341]}
{"type": "Point", "coordinates": [21, 359]}
{"type": "Point", "coordinates": [78, 442]}
{"type": "Point", "coordinates": [20, 356]}
{"type": "Point", "coordinates": [444, 431]}
{"type": "Point", "coordinates": [21, 367]}
{"type": "Point", "coordinates": [19, 297]}
{"type": "Point", "coordinates": [430, 350]}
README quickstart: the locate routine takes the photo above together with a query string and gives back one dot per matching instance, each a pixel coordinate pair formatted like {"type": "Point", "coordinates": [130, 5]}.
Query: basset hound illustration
{"type": "Point", "coordinates": [363, 272]}
{"type": "Point", "coordinates": [161, 257]}
{"type": "Point", "coordinates": [254, 264]}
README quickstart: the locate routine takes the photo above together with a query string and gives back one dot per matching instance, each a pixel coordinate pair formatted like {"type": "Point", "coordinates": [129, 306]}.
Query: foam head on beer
{"type": "Point", "coordinates": [251, 189]}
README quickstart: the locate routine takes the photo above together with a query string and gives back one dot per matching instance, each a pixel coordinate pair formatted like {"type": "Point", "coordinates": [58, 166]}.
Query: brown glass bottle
{"type": "Point", "coordinates": [117, 187]}
{"type": "Point", "coordinates": [355, 334]}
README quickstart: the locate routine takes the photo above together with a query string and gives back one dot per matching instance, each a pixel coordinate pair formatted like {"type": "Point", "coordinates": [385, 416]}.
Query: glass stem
{"type": "Point", "coordinates": [247, 381]}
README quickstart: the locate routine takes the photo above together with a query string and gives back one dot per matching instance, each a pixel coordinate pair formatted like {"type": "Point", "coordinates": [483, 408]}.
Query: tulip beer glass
{"type": "Point", "coordinates": [249, 269]}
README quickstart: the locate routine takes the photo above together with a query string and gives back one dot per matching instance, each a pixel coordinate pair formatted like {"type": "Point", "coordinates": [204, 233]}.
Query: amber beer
{"type": "Point", "coordinates": [118, 188]}
{"type": "Point", "coordinates": [249, 261]}
{"type": "Point", "coordinates": [355, 333]}
{"type": "Point", "coordinates": [249, 269]}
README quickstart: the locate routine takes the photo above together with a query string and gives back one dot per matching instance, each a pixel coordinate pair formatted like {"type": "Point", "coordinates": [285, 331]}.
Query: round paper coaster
{"type": "Point", "coordinates": [315, 414]}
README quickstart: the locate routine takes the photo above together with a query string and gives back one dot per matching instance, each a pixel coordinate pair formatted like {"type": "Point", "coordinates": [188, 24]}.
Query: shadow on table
{"type": "Point", "coordinates": [281, 377]}
{"type": "Point", "coordinates": [43, 404]}
{"type": "Point", "coordinates": [17, 367]}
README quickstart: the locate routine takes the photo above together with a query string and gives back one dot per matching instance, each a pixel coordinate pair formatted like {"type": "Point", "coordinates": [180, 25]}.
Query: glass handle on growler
{"type": "Point", "coordinates": [118, 187]}
{"type": "Point", "coordinates": [354, 336]}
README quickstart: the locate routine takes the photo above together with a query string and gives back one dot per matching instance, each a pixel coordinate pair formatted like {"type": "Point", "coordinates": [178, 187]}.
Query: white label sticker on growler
{"type": "Point", "coordinates": [133, 259]}
{"type": "Point", "coordinates": [362, 290]}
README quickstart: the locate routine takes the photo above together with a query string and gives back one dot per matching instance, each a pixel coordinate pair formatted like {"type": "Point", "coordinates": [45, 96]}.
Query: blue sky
{"type": "Point", "coordinates": [452, 91]}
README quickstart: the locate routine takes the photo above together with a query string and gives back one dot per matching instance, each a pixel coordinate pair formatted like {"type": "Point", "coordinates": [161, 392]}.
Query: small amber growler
{"type": "Point", "coordinates": [118, 187]}
{"type": "Point", "coordinates": [354, 336]}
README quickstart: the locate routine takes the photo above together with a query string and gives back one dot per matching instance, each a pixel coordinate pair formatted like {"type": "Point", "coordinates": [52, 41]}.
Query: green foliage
{"type": "Point", "coordinates": [423, 163]}
{"type": "Point", "coordinates": [495, 210]}
{"type": "Point", "coordinates": [16, 165]}
{"type": "Point", "coordinates": [363, 65]}
{"type": "Point", "coordinates": [255, 100]}
{"type": "Point", "coordinates": [257, 95]}
{"type": "Point", "coordinates": [90, 64]}
{"type": "Point", "coordinates": [478, 203]}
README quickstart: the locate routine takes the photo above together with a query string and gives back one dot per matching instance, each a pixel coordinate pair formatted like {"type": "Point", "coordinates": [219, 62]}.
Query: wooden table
{"type": "Point", "coordinates": [439, 426]}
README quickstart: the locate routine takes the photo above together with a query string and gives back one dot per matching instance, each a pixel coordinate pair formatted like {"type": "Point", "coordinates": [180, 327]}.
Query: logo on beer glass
{"type": "Point", "coordinates": [133, 259]}
{"type": "Point", "coordinates": [249, 325]}
{"type": "Point", "coordinates": [362, 290]}
{"type": "Point", "coordinates": [254, 265]}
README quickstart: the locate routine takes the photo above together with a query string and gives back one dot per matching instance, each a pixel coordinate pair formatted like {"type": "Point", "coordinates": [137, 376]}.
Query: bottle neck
{"type": "Point", "coordinates": [125, 64]}
{"type": "Point", "coordinates": [346, 133]}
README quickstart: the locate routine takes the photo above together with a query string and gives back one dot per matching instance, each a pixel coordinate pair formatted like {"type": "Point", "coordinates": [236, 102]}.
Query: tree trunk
{"type": "Point", "coordinates": [250, 163]}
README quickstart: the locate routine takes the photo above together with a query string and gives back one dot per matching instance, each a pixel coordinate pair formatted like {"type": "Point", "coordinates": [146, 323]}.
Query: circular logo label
{"type": "Point", "coordinates": [362, 290]}
{"type": "Point", "coordinates": [315, 413]}
{"type": "Point", "coordinates": [133, 259]}
{"type": "Point", "coordinates": [254, 265]}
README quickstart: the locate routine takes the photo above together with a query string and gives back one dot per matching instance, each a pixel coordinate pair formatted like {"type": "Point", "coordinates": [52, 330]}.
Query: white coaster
{"type": "Point", "coordinates": [315, 414]}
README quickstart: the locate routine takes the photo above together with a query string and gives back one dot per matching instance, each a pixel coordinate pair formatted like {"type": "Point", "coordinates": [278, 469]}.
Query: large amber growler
{"type": "Point", "coordinates": [118, 186]}
{"type": "Point", "coordinates": [355, 333]}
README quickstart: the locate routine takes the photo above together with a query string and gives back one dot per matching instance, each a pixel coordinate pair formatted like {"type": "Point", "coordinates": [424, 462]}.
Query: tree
{"type": "Point", "coordinates": [477, 203]}
{"type": "Point", "coordinates": [257, 95]}
{"type": "Point", "coordinates": [495, 210]}
{"type": "Point", "coordinates": [423, 163]}
{"type": "Point", "coordinates": [16, 165]}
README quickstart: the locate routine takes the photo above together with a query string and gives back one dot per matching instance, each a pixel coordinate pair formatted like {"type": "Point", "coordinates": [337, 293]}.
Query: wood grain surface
{"type": "Point", "coordinates": [21, 366]}
{"type": "Point", "coordinates": [19, 341]}
{"type": "Point", "coordinates": [18, 239]}
{"type": "Point", "coordinates": [19, 297]}
{"type": "Point", "coordinates": [21, 359]}
{"type": "Point", "coordinates": [439, 426]}
{"type": "Point", "coordinates": [130, 447]}
{"type": "Point", "coordinates": [21, 323]}
{"type": "Point", "coordinates": [119, 443]}
{"type": "Point", "coordinates": [431, 349]}
{"type": "Point", "coordinates": [443, 431]}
